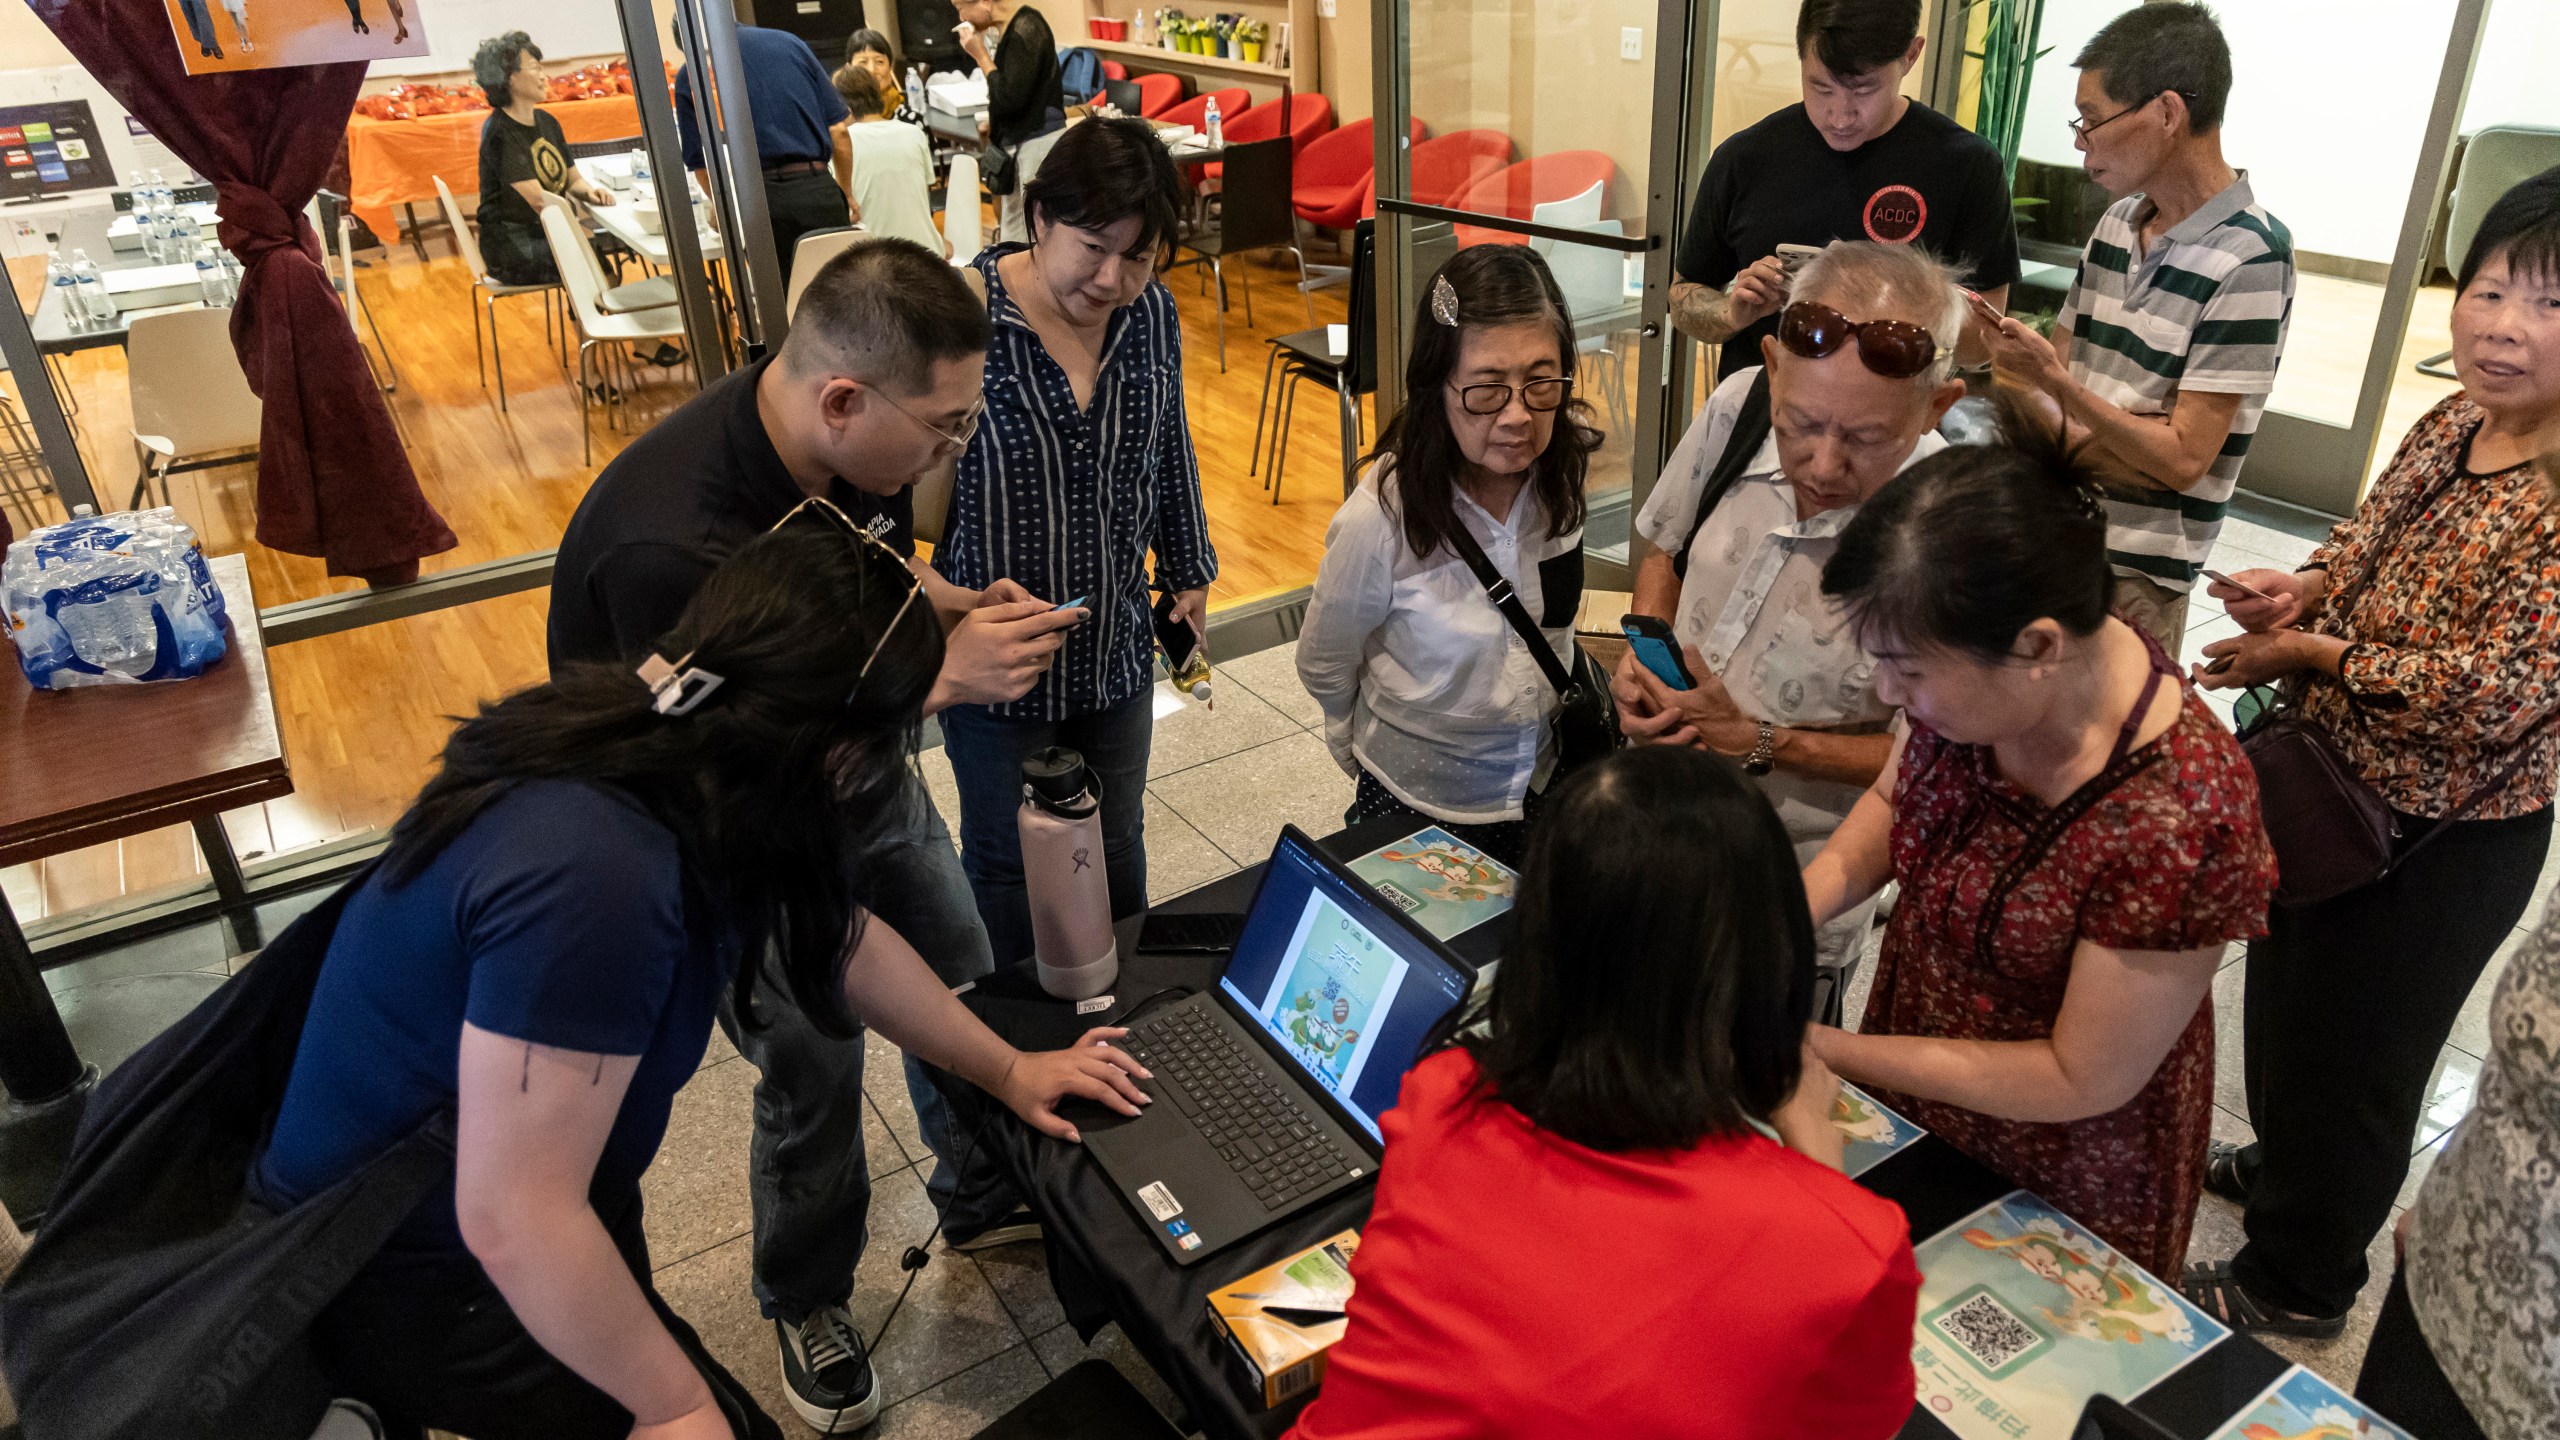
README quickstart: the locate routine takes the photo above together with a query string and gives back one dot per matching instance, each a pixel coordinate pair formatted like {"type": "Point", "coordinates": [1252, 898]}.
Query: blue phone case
{"type": "Point", "coordinates": [1659, 658]}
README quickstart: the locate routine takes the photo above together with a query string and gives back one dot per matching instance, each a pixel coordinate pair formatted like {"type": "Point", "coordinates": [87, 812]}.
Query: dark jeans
{"type": "Point", "coordinates": [2402, 1381]}
{"type": "Point", "coordinates": [2347, 1007]}
{"type": "Point", "coordinates": [199, 22]}
{"type": "Point", "coordinates": [798, 204]}
{"type": "Point", "coordinates": [807, 1176]}
{"type": "Point", "coordinates": [987, 752]}
{"type": "Point", "coordinates": [427, 1340]}
{"type": "Point", "coordinates": [1504, 840]}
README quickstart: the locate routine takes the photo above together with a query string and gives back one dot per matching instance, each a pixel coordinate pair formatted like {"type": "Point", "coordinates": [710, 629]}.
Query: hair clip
{"type": "Point", "coordinates": [679, 687]}
{"type": "Point", "coordinates": [1444, 301]}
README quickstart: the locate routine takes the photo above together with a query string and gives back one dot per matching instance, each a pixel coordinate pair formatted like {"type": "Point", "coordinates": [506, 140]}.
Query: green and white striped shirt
{"type": "Point", "coordinates": [2205, 309]}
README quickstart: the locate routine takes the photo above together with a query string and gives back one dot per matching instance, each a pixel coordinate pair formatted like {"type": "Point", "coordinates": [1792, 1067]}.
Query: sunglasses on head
{"type": "Point", "coordinates": [824, 512]}
{"type": "Point", "coordinates": [1895, 349]}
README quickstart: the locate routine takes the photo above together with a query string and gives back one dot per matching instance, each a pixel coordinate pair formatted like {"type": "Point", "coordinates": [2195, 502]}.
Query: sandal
{"type": "Point", "coordinates": [2222, 1172]}
{"type": "Point", "coordinates": [2212, 1289]}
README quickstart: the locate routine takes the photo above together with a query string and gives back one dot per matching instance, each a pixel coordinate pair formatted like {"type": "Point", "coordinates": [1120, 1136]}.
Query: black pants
{"type": "Point", "coordinates": [2347, 1007]}
{"type": "Point", "coordinates": [799, 203]}
{"type": "Point", "coordinates": [1504, 840]}
{"type": "Point", "coordinates": [2402, 1381]}
{"type": "Point", "coordinates": [428, 1341]}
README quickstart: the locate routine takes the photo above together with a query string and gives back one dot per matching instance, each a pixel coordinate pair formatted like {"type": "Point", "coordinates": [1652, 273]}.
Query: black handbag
{"type": "Point", "coordinates": [1587, 722]}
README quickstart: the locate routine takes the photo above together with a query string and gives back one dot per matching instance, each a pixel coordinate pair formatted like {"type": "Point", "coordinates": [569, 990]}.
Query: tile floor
{"type": "Point", "coordinates": [980, 1332]}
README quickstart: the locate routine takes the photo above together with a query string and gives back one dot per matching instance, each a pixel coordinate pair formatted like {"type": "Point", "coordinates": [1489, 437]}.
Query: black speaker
{"type": "Point", "coordinates": [924, 33]}
{"type": "Point", "coordinates": [825, 24]}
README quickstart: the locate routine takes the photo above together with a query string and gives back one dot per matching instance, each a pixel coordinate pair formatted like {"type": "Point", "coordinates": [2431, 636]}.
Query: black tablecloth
{"type": "Point", "coordinates": [1106, 1266]}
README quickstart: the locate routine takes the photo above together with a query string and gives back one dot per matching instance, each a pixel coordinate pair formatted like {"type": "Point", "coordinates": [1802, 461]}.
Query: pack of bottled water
{"type": "Point", "coordinates": [112, 599]}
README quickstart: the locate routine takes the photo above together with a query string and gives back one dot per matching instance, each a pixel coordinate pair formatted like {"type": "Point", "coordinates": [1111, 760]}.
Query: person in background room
{"type": "Point", "coordinates": [1431, 702]}
{"type": "Point", "coordinates": [2076, 837]}
{"type": "Point", "coordinates": [523, 156]}
{"type": "Point", "coordinates": [1635, 1082]}
{"type": "Point", "coordinates": [886, 168]}
{"type": "Point", "coordinates": [797, 114]}
{"type": "Point", "coordinates": [869, 50]}
{"type": "Point", "coordinates": [1026, 109]}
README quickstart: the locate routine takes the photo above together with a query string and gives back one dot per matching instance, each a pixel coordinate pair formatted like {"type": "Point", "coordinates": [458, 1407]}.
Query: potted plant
{"type": "Point", "coordinates": [1250, 37]}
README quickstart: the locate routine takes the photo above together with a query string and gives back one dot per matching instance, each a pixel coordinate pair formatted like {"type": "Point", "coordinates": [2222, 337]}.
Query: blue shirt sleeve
{"type": "Point", "coordinates": [688, 136]}
{"type": "Point", "coordinates": [573, 920]}
{"type": "Point", "coordinates": [831, 107]}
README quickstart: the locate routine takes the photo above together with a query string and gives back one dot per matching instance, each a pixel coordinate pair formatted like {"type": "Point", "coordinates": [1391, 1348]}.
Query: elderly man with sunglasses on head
{"type": "Point", "coordinates": [1850, 391]}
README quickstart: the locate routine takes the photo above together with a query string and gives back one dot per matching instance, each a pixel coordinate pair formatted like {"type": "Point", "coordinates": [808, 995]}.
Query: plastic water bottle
{"type": "Point", "coordinates": [109, 622]}
{"type": "Point", "coordinates": [230, 275]}
{"type": "Point", "coordinates": [95, 302]}
{"type": "Point", "coordinates": [65, 289]}
{"type": "Point", "coordinates": [1209, 124]}
{"type": "Point", "coordinates": [915, 89]}
{"type": "Point", "coordinates": [1074, 951]}
{"type": "Point", "coordinates": [185, 236]}
{"type": "Point", "coordinates": [208, 277]}
{"type": "Point", "coordinates": [640, 165]}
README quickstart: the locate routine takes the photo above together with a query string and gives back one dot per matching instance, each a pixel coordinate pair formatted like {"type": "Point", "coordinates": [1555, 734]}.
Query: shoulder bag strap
{"type": "Point", "coordinates": [1507, 600]}
{"type": "Point", "coordinates": [1743, 441]}
{"type": "Point", "coordinates": [2517, 754]}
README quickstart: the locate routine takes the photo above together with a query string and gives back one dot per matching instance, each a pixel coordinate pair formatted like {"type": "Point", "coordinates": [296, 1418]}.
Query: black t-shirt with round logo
{"type": "Point", "coordinates": [510, 152]}
{"type": "Point", "coordinates": [1779, 183]}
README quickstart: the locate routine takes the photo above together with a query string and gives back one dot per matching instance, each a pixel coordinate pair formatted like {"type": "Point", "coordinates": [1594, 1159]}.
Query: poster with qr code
{"type": "Point", "coordinates": [2024, 1316]}
{"type": "Point", "coordinates": [2302, 1406]}
{"type": "Point", "coordinates": [1445, 884]}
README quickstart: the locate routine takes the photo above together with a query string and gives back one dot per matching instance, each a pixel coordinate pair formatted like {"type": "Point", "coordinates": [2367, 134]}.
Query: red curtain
{"type": "Point", "coordinates": [333, 480]}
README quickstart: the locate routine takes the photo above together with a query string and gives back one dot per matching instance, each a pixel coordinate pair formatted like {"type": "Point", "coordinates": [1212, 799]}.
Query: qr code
{"type": "Point", "coordinates": [1988, 1332]}
{"type": "Point", "coordinates": [1399, 899]}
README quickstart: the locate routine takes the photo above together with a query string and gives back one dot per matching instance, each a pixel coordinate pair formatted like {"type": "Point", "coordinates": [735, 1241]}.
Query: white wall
{"type": "Point", "coordinates": [2512, 81]}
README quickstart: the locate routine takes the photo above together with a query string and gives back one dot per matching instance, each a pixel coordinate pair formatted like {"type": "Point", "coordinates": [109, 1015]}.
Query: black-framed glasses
{"type": "Point", "coordinates": [956, 441]}
{"type": "Point", "coordinates": [1493, 397]}
{"type": "Point", "coordinates": [2086, 128]}
{"type": "Point", "coordinates": [826, 512]}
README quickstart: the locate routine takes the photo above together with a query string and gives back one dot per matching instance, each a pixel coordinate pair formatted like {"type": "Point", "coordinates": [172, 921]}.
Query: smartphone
{"type": "Point", "coordinates": [1176, 636]}
{"type": "Point", "coordinates": [2253, 591]}
{"type": "Point", "coordinates": [1190, 933]}
{"type": "Point", "coordinates": [1792, 257]}
{"type": "Point", "coordinates": [1657, 651]}
{"type": "Point", "coordinates": [1075, 604]}
{"type": "Point", "coordinates": [1983, 310]}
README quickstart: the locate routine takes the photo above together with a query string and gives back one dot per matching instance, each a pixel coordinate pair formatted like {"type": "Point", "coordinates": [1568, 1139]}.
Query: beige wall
{"type": "Point", "coordinates": [1343, 54]}
{"type": "Point", "coordinates": [25, 41]}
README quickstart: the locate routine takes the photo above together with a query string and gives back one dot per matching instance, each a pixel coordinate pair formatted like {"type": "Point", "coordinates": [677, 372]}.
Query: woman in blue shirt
{"type": "Point", "coordinates": [1081, 467]}
{"type": "Point", "coordinates": [541, 952]}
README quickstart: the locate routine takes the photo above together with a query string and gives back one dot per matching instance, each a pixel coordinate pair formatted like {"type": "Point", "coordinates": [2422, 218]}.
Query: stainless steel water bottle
{"type": "Point", "coordinates": [1062, 869]}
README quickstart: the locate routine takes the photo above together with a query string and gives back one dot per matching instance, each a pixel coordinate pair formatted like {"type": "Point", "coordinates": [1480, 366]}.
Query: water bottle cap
{"type": "Point", "coordinates": [1057, 781]}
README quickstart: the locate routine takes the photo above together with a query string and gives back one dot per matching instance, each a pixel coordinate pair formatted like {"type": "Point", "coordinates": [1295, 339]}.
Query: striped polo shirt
{"type": "Point", "coordinates": [2205, 309]}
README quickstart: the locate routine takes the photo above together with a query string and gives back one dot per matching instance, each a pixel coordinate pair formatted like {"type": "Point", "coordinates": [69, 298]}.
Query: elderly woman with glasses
{"type": "Point", "coordinates": [1431, 702]}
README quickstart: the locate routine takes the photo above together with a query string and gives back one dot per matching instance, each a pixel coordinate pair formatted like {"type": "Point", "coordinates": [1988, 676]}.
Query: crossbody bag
{"type": "Point", "coordinates": [1586, 724]}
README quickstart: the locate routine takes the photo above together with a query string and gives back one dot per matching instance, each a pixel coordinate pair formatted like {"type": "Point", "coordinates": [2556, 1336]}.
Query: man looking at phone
{"type": "Point", "coordinates": [2166, 347]}
{"type": "Point", "coordinates": [878, 382]}
{"type": "Point", "coordinates": [1856, 160]}
{"type": "Point", "coordinates": [1854, 384]}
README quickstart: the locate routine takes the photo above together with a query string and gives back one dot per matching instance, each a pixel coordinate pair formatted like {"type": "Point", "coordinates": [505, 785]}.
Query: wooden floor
{"type": "Point", "coordinates": [364, 712]}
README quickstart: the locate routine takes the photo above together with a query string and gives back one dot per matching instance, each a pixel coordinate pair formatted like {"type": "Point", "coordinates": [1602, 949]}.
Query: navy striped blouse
{"type": "Point", "coordinates": [1068, 503]}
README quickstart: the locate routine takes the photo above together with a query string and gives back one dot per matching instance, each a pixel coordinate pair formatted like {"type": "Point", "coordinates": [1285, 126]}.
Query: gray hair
{"type": "Point", "coordinates": [1868, 281]}
{"type": "Point", "coordinates": [496, 59]}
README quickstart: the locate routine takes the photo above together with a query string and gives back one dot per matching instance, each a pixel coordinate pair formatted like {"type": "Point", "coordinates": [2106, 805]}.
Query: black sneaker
{"type": "Point", "coordinates": [826, 1373]}
{"type": "Point", "coordinates": [1017, 1224]}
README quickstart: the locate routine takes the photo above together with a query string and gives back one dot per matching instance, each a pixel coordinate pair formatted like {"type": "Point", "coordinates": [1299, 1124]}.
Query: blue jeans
{"type": "Point", "coordinates": [199, 22]}
{"type": "Point", "coordinates": [807, 1177]}
{"type": "Point", "coordinates": [987, 752]}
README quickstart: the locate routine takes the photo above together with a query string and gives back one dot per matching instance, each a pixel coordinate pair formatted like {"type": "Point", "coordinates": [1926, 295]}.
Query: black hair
{"type": "Point", "coordinates": [868, 42]}
{"type": "Point", "coordinates": [780, 781]}
{"type": "Point", "coordinates": [861, 91]}
{"type": "Point", "coordinates": [1495, 285]}
{"type": "Point", "coordinates": [1975, 543]}
{"type": "Point", "coordinates": [1854, 37]}
{"type": "Point", "coordinates": [1659, 974]}
{"type": "Point", "coordinates": [886, 310]}
{"type": "Point", "coordinates": [496, 59]}
{"type": "Point", "coordinates": [2152, 50]}
{"type": "Point", "coordinates": [1101, 172]}
{"type": "Point", "coordinates": [2524, 226]}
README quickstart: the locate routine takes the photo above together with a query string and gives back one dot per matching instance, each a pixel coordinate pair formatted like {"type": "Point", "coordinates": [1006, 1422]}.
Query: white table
{"type": "Point", "coordinates": [622, 221]}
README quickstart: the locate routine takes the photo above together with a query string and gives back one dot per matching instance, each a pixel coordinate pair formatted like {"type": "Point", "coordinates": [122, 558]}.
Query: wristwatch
{"type": "Point", "coordinates": [1764, 755]}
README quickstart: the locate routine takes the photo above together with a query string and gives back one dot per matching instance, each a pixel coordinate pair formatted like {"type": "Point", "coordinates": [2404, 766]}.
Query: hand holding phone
{"type": "Point", "coordinates": [1793, 257]}
{"type": "Point", "coordinates": [1983, 310]}
{"type": "Point", "coordinates": [1657, 650]}
{"type": "Point", "coordinates": [2252, 591]}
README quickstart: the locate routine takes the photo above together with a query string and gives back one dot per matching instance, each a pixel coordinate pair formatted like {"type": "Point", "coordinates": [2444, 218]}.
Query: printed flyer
{"type": "Point", "coordinates": [1448, 886]}
{"type": "Point", "coordinates": [2302, 1406]}
{"type": "Point", "coordinates": [1875, 1133]}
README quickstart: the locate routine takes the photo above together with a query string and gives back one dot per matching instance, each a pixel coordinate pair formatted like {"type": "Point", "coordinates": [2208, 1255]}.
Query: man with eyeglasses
{"type": "Point", "coordinates": [878, 383]}
{"type": "Point", "coordinates": [1748, 510]}
{"type": "Point", "coordinates": [2166, 348]}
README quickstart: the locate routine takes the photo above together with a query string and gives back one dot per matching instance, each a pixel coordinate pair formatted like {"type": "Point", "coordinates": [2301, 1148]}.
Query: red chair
{"type": "Point", "coordinates": [1309, 117]}
{"type": "Point", "coordinates": [1334, 172]}
{"type": "Point", "coordinates": [1444, 166]}
{"type": "Point", "coordinates": [1159, 92]}
{"type": "Point", "coordinates": [1114, 70]}
{"type": "Point", "coordinates": [1517, 190]}
{"type": "Point", "coordinates": [1194, 112]}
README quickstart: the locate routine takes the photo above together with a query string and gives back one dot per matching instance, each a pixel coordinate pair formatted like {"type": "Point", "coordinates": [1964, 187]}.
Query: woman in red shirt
{"type": "Point", "coordinates": [1583, 1225]}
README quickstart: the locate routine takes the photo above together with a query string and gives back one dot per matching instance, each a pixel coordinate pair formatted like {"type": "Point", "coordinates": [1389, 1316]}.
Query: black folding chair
{"type": "Point", "coordinates": [1304, 356]}
{"type": "Point", "coordinates": [1253, 214]}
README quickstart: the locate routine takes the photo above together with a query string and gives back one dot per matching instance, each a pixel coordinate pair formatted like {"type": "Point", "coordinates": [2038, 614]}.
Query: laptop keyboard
{"type": "Point", "coordinates": [1268, 1136]}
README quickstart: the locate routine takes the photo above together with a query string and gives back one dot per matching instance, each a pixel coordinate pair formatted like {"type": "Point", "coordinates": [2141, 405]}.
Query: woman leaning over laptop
{"type": "Point", "coordinates": [1582, 1224]}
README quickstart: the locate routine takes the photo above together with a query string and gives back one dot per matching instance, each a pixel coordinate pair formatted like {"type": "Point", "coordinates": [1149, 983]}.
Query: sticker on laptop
{"type": "Point", "coordinates": [1188, 1242]}
{"type": "Point", "coordinates": [1159, 1201]}
{"type": "Point", "coordinates": [1096, 1005]}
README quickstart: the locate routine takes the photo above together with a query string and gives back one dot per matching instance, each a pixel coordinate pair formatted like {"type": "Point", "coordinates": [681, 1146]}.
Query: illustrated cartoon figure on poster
{"type": "Point", "coordinates": [2105, 1303]}
{"type": "Point", "coordinates": [1861, 1119]}
{"type": "Point", "coordinates": [2322, 1430]}
{"type": "Point", "coordinates": [1463, 875]}
{"type": "Point", "coordinates": [1321, 1027]}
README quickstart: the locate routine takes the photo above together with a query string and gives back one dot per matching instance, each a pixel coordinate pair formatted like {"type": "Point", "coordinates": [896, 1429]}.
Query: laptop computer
{"type": "Point", "coordinates": [1270, 1085]}
{"type": "Point", "coordinates": [2107, 1418]}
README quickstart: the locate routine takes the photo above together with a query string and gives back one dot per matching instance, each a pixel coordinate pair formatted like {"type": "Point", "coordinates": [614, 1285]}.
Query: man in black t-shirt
{"type": "Point", "coordinates": [523, 155]}
{"type": "Point", "coordinates": [1855, 161]}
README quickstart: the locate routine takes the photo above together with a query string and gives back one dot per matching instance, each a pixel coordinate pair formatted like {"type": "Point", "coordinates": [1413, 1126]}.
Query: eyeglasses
{"type": "Point", "coordinates": [1492, 399]}
{"type": "Point", "coordinates": [2086, 128]}
{"type": "Point", "coordinates": [968, 422]}
{"type": "Point", "coordinates": [1895, 349]}
{"type": "Point", "coordinates": [826, 512]}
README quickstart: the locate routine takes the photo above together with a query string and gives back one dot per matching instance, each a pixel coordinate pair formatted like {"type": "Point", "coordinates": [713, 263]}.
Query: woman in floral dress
{"type": "Point", "coordinates": [2076, 837]}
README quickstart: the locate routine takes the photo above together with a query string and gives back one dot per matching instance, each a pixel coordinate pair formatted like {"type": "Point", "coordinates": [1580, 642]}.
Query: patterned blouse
{"type": "Point", "coordinates": [2162, 851]}
{"type": "Point", "coordinates": [2456, 631]}
{"type": "Point", "coordinates": [2483, 1263]}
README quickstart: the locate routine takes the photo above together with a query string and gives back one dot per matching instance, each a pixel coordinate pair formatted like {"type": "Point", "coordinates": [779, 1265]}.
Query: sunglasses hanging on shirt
{"type": "Point", "coordinates": [1895, 349]}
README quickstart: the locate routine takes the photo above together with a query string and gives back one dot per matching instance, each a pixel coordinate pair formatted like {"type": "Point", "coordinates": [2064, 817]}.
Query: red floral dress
{"type": "Point", "coordinates": [2162, 851]}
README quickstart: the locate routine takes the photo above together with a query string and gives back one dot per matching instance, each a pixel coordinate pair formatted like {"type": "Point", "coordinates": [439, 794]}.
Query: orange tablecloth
{"type": "Point", "coordinates": [394, 162]}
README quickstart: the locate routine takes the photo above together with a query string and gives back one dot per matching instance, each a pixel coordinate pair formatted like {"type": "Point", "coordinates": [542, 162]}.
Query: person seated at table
{"type": "Point", "coordinates": [869, 50]}
{"type": "Point", "coordinates": [2076, 836]}
{"type": "Point", "coordinates": [1610, 1108]}
{"type": "Point", "coordinates": [523, 155]}
{"type": "Point", "coordinates": [886, 168]}
{"type": "Point", "coordinates": [541, 952]}
{"type": "Point", "coordinates": [1431, 703]}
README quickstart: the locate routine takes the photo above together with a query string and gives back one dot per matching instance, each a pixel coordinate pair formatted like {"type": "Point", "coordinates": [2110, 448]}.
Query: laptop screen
{"type": "Point", "coordinates": [1346, 990]}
